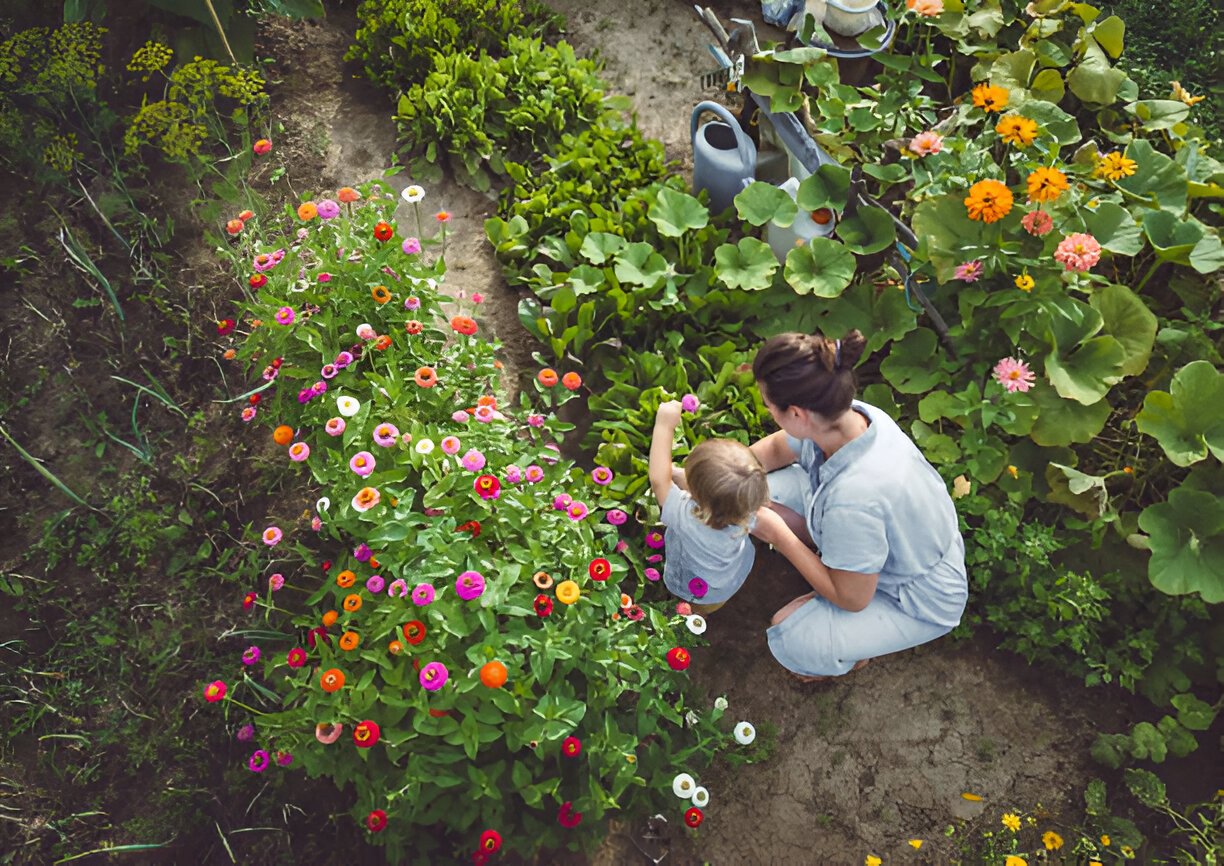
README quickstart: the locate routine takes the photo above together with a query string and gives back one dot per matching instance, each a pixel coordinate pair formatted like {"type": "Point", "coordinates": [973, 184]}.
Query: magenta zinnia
{"type": "Point", "coordinates": [1014, 375]}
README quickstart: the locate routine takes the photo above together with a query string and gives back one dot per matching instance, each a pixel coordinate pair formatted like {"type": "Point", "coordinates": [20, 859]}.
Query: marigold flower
{"type": "Point", "coordinates": [568, 592]}
{"type": "Point", "coordinates": [572, 381]}
{"type": "Point", "coordinates": [1014, 375]}
{"type": "Point", "coordinates": [1078, 252]}
{"type": "Point", "coordinates": [349, 641]}
{"type": "Point", "coordinates": [214, 691]}
{"type": "Point", "coordinates": [678, 658]}
{"type": "Point", "coordinates": [543, 605]}
{"type": "Point", "coordinates": [332, 680]}
{"type": "Point", "coordinates": [261, 147]}
{"type": "Point", "coordinates": [426, 377]}
{"type": "Point", "coordinates": [376, 821]}
{"type": "Point", "coordinates": [348, 195]}
{"type": "Point", "coordinates": [366, 734]}
{"type": "Point", "coordinates": [414, 632]}
{"type": "Point", "coordinates": [990, 98]}
{"type": "Point", "coordinates": [307, 211]}
{"type": "Point", "coordinates": [988, 201]}
{"type": "Point", "coordinates": [548, 377]}
{"type": "Point", "coordinates": [1017, 130]}
{"type": "Point", "coordinates": [463, 325]}
{"type": "Point", "coordinates": [493, 674]}
{"type": "Point", "coordinates": [599, 569]}
{"type": "Point", "coordinates": [1114, 166]}
{"type": "Point", "coordinates": [380, 294]}
{"type": "Point", "coordinates": [926, 143]}
{"type": "Point", "coordinates": [384, 231]}
{"type": "Point", "coordinates": [434, 675]}
{"type": "Point", "coordinates": [1046, 184]}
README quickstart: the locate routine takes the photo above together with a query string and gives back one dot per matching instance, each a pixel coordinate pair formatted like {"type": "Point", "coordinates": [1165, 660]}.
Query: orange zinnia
{"type": "Point", "coordinates": [1017, 130]}
{"type": "Point", "coordinates": [548, 377]}
{"type": "Point", "coordinates": [990, 98]}
{"type": "Point", "coordinates": [1046, 184]}
{"type": "Point", "coordinates": [493, 674]}
{"type": "Point", "coordinates": [988, 201]}
{"type": "Point", "coordinates": [348, 195]}
{"type": "Point", "coordinates": [572, 381]}
{"type": "Point", "coordinates": [395, 647]}
{"type": "Point", "coordinates": [329, 618]}
{"type": "Point", "coordinates": [380, 294]}
{"type": "Point", "coordinates": [352, 602]}
{"type": "Point", "coordinates": [282, 435]}
{"type": "Point", "coordinates": [413, 327]}
{"type": "Point", "coordinates": [383, 343]}
{"type": "Point", "coordinates": [487, 400]}
{"type": "Point", "coordinates": [414, 632]}
{"type": "Point", "coordinates": [349, 641]}
{"type": "Point", "coordinates": [307, 211]}
{"type": "Point", "coordinates": [464, 325]}
{"type": "Point", "coordinates": [345, 579]}
{"type": "Point", "coordinates": [426, 377]}
{"type": "Point", "coordinates": [332, 680]}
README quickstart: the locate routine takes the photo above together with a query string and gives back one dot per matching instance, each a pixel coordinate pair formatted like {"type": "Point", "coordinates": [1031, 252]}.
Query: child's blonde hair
{"type": "Point", "coordinates": [726, 481]}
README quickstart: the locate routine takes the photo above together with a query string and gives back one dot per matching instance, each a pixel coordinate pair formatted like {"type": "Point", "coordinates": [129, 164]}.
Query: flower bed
{"type": "Point", "coordinates": [470, 659]}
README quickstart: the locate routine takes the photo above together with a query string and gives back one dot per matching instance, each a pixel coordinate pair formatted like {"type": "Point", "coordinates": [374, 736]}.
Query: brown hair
{"type": "Point", "coordinates": [727, 482]}
{"type": "Point", "coordinates": [809, 371]}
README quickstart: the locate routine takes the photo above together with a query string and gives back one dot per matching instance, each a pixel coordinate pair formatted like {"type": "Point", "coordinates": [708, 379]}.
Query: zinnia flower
{"type": "Point", "coordinates": [654, 539]}
{"type": "Point", "coordinates": [375, 584]}
{"type": "Point", "coordinates": [683, 786]}
{"type": "Point", "coordinates": [1114, 166]}
{"type": "Point", "coordinates": [487, 487]}
{"type": "Point", "coordinates": [296, 657]}
{"type": "Point", "coordinates": [990, 98]}
{"type": "Point", "coordinates": [376, 821]}
{"type": "Point", "coordinates": [548, 377]}
{"type": "Point", "coordinates": [214, 691]}
{"type": "Point", "coordinates": [1078, 252]}
{"type": "Point", "coordinates": [1051, 840]}
{"type": "Point", "coordinates": [414, 631]}
{"type": "Point", "coordinates": [299, 451]}
{"type": "Point", "coordinates": [601, 475]}
{"type": "Point", "coordinates": [470, 585]}
{"type": "Point", "coordinates": [442, 216]}
{"type": "Point", "coordinates": [988, 201]}
{"type": "Point", "coordinates": [678, 658]}
{"type": "Point", "coordinates": [577, 511]}
{"type": "Point", "coordinates": [1014, 375]}
{"type": "Point", "coordinates": [450, 445]}
{"type": "Point", "coordinates": [261, 147]}
{"type": "Point", "coordinates": [1025, 283]}
{"type": "Point", "coordinates": [696, 624]}
{"type": "Point", "coordinates": [250, 655]}
{"type": "Point", "coordinates": [698, 587]}
{"type": "Point", "coordinates": [1037, 223]}
{"type": "Point", "coordinates": [259, 761]}
{"type": "Point", "coordinates": [534, 474]}
{"type": "Point", "coordinates": [1017, 130]}
{"type": "Point", "coordinates": [572, 381]}
{"type": "Point", "coordinates": [490, 841]}
{"type": "Point", "coordinates": [745, 733]}
{"type": "Point", "coordinates": [652, 574]}
{"type": "Point", "coordinates": [423, 594]}
{"type": "Point", "coordinates": [272, 536]}
{"type": "Point", "coordinates": [571, 747]}
{"type": "Point", "coordinates": [411, 246]}
{"type": "Point", "coordinates": [616, 517]}
{"type": "Point", "coordinates": [348, 406]}
{"type": "Point", "coordinates": [413, 193]}
{"type": "Point", "coordinates": [246, 733]}
{"type": "Point", "coordinates": [276, 581]}
{"type": "Point", "coordinates": [926, 8]}
{"type": "Point", "coordinates": [465, 325]}
{"type": "Point", "coordinates": [366, 498]}
{"type": "Point", "coordinates": [331, 680]}
{"type": "Point", "coordinates": [307, 211]}
{"type": "Point", "coordinates": [424, 446]}
{"type": "Point", "coordinates": [362, 463]}
{"type": "Point", "coordinates": [567, 817]}
{"type": "Point", "coordinates": [366, 734]}
{"type": "Point", "coordinates": [1046, 184]}
{"type": "Point", "coordinates": [562, 501]}
{"type": "Point", "coordinates": [543, 605]}
{"type": "Point", "coordinates": [426, 377]}
{"type": "Point", "coordinates": [384, 231]}
{"type": "Point", "coordinates": [434, 675]}
{"type": "Point", "coordinates": [926, 143]}
{"type": "Point", "coordinates": [327, 209]}
{"type": "Point", "coordinates": [285, 316]}
{"type": "Point", "coordinates": [599, 569]}
{"type": "Point", "coordinates": [385, 435]}
{"type": "Point", "coordinates": [334, 426]}
{"type": "Point", "coordinates": [1011, 821]}
{"type": "Point", "coordinates": [473, 460]}
{"type": "Point", "coordinates": [568, 592]}
{"type": "Point", "coordinates": [969, 271]}
{"type": "Point", "coordinates": [701, 797]}
{"type": "Point", "coordinates": [693, 817]}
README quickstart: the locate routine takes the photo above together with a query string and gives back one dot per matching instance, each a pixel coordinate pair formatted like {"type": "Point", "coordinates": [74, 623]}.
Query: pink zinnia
{"type": "Point", "coordinates": [1078, 252]}
{"type": "Point", "coordinates": [1014, 375]}
{"type": "Point", "coordinates": [473, 460]}
{"type": "Point", "coordinates": [272, 536]}
{"type": "Point", "coordinates": [513, 475]}
{"type": "Point", "coordinates": [601, 475]}
{"type": "Point", "coordinates": [654, 539]}
{"type": "Point", "coordinates": [470, 585]}
{"type": "Point", "coordinates": [1037, 223]}
{"type": "Point", "coordinates": [258, 762]}
{"type": "Point", "coordinates": [969, 271]}
{"type": "Point", "coordinates": [652, 574]}
{"type": "Point", "coordinates": [562, 501]}
{"type": "Point", "coordinates": [617, 517]}
{"type": "Point", "coordinates": [698, 587]}
{"type": "Point", "coordinates": [535, 420]}
{"type": "Point", "coordinates": [250, 655]}
{"type": "Point", "coordinates": [534, 474]}
{"type": "Point", "coordinates": [423, 594]}
{"type": "Point", "coordinates": [335, 426]}
{"type": "Point", "coordinates": [214, 691]}
{"type": "Point", "coordinates": [577, 511]}
{"type": "Point", "coordinates": [276, 581]}
{"type": "Point", "coordinates": [461, 417]}
{"type": "Point", "coordinates": [690, 403]}
{"type": "Point", "coordinates": [328, 209]}
{"type": "Point", "coordinates": [434, 676]}
{"type": "Point", "coordinates": [411, 246]}
{"type": "Point", "coordinates": [485, 414]}
{"type": "Point", "coordinates": [285, 316]}
{"type": "Point", "coordinates": [450, 445]}
{"type": "Point", "coordinates": [299, 451]}
{"type": "Point", "coordinates": [926, 143]}
{"type": "Point", "coordinates": [362, 463]}
{"type": "Point", "coordinates": [386, 435]}
{"type": "Point", "coordinates": [296, 657]}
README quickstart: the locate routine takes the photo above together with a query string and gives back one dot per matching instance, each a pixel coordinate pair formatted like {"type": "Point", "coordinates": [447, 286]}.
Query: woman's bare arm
{"type": "Point", "coordinates": [849, 590]}
{"type": "Point", "coordinates": [774, 451]}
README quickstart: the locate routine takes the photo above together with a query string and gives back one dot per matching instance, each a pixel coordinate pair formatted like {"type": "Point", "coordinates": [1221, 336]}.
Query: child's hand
{"type": "Point", "coordinates": [668, 415]}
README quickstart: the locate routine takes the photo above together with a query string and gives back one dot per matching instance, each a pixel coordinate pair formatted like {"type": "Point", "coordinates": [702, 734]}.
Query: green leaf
{"type": "Point", "coordinates": [1172, 238]}
{"type": "Point", "coordinates": [1188, 419]}
{"type": "Point", "coordinates": [1129, 321]}
{"type": "Point", "coordinates": [1114, 228]}
{"type": "Point", "coordinates": [822, 267]}
{"type": "Point", "coordinates": [1186, 535]}
{"type": "Point", "coordinates": [1147, 743]}
{"type": "Point", "coordinates": [1207, 257]}
{"type": "Point", "coordinates": [1048, 87]}
{"type": "Point", "coordinates": [943, 225]}
{"type": "Point", "coordinates": [1158, 179]}
{"type": "Point", "coordinates": [828, 187]}
{"type": "Point", "coordinates": [1013, 70]}
{"type": "Point", "coordinates": [869, 230]}
{"type": "Point", "coordinates": [1108, 33]}
{"type": "Point", "coordinates": [598, 247]}
{"type": "Point", "coordinates": [1094, 798]}
{"type": "Point", "coordinates": [750, 265]}
{"type": "Point", "coordinates": [912, 366]}
{"type": "Point", "coordinates": [1147, 787]}
{"type": "Point", "coordinates": [1195, 714]}
{"type": "Point", "coordinates": [675, 212]}
{"type": "Point", "coordinates": [1093, 80]}
{"type": "Point", "coordinates": [1159, 114]}
{"type": "Point", "coordinates": [1087, 372]}
{"type": "Point", "coordinates": [761, 202]}
{"type": "Point", "coordinates": [1063, 422]}
{"type": "Point", "coordinates": [639, 264]}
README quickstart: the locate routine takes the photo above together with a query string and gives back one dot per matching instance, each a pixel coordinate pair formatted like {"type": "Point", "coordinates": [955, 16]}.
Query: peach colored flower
{"type": "Point", "coordinates": [926, 143]}
{"type": "Point", "coordinates": [1037, 223]}
{"type": "Point", "coordinates": [1078, 252]}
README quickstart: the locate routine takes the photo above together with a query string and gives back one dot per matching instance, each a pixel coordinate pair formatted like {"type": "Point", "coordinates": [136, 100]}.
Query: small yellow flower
{"type": "Point", "coordinates": [1095, 863]}
{"type": "Point", "coordinates": [1025, 283]}
{"type": "Point", "coordinates": [1051, 840]}
{"type": "Point", "coordinates": [1013, 860]}
{"type": "Point", "coordinates": [872, 860]}
{"type": "Point", "coordinates": [1014, 473]}
{"type": "Point", "coordinates": [1011, 820]}
{"type": "Point", "coordinates": [1180, 93]}
{"type": "Point", "coordinates": [915, 843]}
{"type": "Point", "coordinates": [1114, 166]}
{"type": "Point", "coordinates": [1105, 841]}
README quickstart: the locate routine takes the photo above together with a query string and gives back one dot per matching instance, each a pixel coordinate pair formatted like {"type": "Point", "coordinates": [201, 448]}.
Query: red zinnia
{"type": "Point", "coordinates": [225, 327]}
{"type": "Point", "coordinates": [214, 691]}
{"type": "Point", "coordinates": [472, 526]}
{"type": "Point", "coordinates": [567, 817]}
{"type": "Point", "coordinates": [366, 734]}
{"type": "Point", "coordinates": [325, 564]}
{"type": "Point", "coordinates": [599, 569]}
{"type": "Point", "coordinates": [258, 281]}
{"type": "Point", "coordinates": [316, 634]}
{"type": "Point", "coordinates": [488, 487]}
{"type": "Point", "coordinates": [442, 216]}
{"type": "Point", "coordinates": [248, 600]}
{"type": "Point", "coordinates": [384, 231]}
{"type": "Point", "coordinates": [376, 820]}
{"type": "Point", "coordinates": [678, 658]}
{"type": "Point", "coordinates": [414, 632]}
{"type": "Point", "coordinates": [246, 215]}
{"type": "Point", "coordinates": [464, 325]}
{"type": "Point", "coordinates": [571, 747]}
{"type": "Point", "coordinates": [543, 605]}
{"type": "Point", "coordinates": [490, 840]}
{"type": "Point", "coordinates": [296, 657]}
{"type": "Point", "coordinates": [234, 227]}
{"type": "Point", "coordinates": [693, 817]}
{"type": "Point", "coordinates": [383, 342]}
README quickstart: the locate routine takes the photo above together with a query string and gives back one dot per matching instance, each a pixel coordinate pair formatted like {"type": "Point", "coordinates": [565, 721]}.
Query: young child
{"type": "Point", "coordinates": [709, 510]}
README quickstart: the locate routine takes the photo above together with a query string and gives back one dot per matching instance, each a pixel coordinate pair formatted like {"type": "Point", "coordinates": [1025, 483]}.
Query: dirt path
{"type": "Point", "coordinates": [860, 765]}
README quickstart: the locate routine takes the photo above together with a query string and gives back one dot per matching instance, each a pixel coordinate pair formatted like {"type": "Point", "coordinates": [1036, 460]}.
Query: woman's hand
{"type": "Point", "coordinates": [770, 527]}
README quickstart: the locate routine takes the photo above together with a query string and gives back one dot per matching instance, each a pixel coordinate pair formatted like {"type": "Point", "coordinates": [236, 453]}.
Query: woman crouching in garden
{"type": "Point", "coordinates": [845, 480]}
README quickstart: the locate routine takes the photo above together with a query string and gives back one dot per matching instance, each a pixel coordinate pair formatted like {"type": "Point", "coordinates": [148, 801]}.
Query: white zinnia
{"type": "Point", "coordinates": [365, 331]}
{"type": "Point", "coordinates": [424, 446]}
{"type": "Point", "coordinates": [683, 786]}
{"type": "Point", "coordinates": [413, 193]}
{"type": "Point", "coordinates": [323, 504]}
{"type": "Point", "coordinates": [701, 797]}
{"type": "Point", "coordinates": [348, 406]}
{"type": "Point", "coordinates": [696, 624]}
{"type": "Point", "coordinates": [745, 733]}
{"type": "Point", "coordinates": [691, 719]}
{"type": "Point", "coordinates": [720, 703]}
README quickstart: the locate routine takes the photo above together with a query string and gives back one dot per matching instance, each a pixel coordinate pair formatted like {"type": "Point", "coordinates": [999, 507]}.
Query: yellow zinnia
{"type": "Point", "coordinates": [1011, 821]}
{"type": "Point", "coordinates": [568, 592]}
{"type": "Point", "coordinates": [1017, 130]}
{"type": "Point", "coordinates": [1046, 184]}
{"type": "Point", "coordinates": [1025, 283]}
{"type": "Point", "coordinates": [990, 98]}
{"type": "Point", "coordinates": [1115, 166]}
{"type": "Point", "coordinates": [988, 201]}
{"type": "Point", "coordinates": [1013, 860]}
{"type": "Point", "coordinates": [1051, 840]}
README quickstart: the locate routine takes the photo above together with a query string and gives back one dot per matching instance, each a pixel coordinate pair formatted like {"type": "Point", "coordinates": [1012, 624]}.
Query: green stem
{"type": "Point", "coordinates": [245, 707]}
{"type": "Point", "coordinates": [1147, 276]}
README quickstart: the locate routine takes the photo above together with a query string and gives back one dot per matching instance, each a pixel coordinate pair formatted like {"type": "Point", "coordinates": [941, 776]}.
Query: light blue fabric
{"type": "Point", "coordinates": [875, 507]}
{"type": "Point", "coordinates": [720, 557]}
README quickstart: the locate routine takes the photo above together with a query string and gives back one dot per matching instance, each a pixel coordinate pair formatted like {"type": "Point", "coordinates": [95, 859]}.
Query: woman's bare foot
{"type": "Point", "coordinates": [859, 665]}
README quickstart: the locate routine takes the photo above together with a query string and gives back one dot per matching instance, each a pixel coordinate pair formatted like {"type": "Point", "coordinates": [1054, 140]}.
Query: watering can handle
{"type": "Point", "coordinates": [742, 142]}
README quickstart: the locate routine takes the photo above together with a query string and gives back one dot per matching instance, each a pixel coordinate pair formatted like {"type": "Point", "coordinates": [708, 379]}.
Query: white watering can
{"type": "Point", "coordinates": [784, 239]}
{"type": "Point", "coordinates": [724, 157]}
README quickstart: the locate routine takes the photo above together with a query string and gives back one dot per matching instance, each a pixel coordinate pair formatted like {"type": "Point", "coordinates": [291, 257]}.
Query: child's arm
{"type": "Point", "coordinates": [666, 422]}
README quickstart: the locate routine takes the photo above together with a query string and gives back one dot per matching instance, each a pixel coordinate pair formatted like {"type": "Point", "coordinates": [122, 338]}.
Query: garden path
{"type": "Point", "coordinates": [859, 765]}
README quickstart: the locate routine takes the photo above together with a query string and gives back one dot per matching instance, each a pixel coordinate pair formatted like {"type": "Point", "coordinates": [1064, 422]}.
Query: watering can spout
{"type": "Point", "coordinates": [724, 157]}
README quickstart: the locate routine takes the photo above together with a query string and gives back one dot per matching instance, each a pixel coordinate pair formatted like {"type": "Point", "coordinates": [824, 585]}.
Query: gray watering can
{"type": "Point", "coordinates": [724, 157]}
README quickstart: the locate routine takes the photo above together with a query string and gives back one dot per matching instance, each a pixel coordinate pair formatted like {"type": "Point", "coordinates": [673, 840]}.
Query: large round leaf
{"type": "Point", "coordinates": [675, 212]}
{"type": "Point", "coordinates": [639, 264]}
{"type": "Point", "coordinates": [1207, 257]}
{"type": "Point", "coordinates": [1064, 422]}
{"type": "Point", "coordinates": [942, 223]}
{"type": "Point", "coordinates": [762, 202]}
{"type": "Point", "coordinates": [1172, 238]}
{"type": "Point", "coordinates": [912, 365]}
{"type": "Point", "coordinates": [1188, 419]}
{"type": "Point", "coordinates": [750, 265]}
{"type": "Point", "coordinates": [823, 268]}
{"type": "Point", "coordinates": [1114, 228]}
{"type": "Point", "coordinates": [828, 187]}
{"type": "Point", "coordinates": [1129, 321]}
{"type": "Point", "coordinates": [598, 247]}
{"type": "Point", "coordinates": [1088, 372]}
{"type": "Point", "coordinates": [1157, 178]}
{"type": "Point", "coordinates": [1186, 535]}
{"type": "Point", "coordinates": [1093, 80]}
{"type": "Point", "coordinates": [870, 230]}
